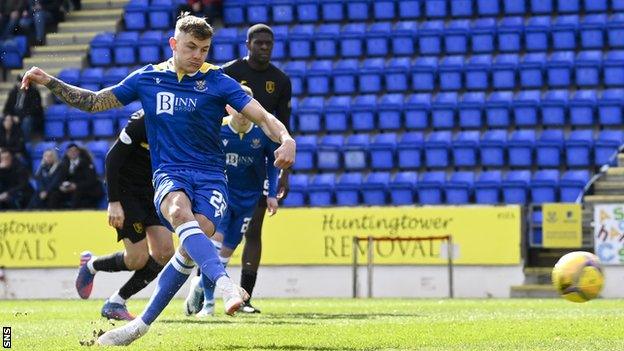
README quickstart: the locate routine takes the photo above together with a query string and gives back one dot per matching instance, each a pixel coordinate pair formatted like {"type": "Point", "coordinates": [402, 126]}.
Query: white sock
{"type": "Point", "coordinates": [224, 260]}
{"type": "Point", "coordinates": [223, 282]}
{"type": "Point", "coordinates": [90, 265]}
{"type": "Point", "coordinates": [115, 298]}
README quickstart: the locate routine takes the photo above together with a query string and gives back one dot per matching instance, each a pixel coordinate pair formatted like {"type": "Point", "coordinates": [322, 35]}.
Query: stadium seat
{"type": "Point", "coordinates": [610, 107]}
{"type": "Point", "coordinates": [375, 188]}
{"type": "Point", "coordinates": [124, 48]}
{"type": "Point", "coordinates": [465, 146]}
{"type": "Point", "coordinates": [564, 31]}
{"type": "Point", "coordinates": [429, 37]}
{"type": "Point", "coordinates": [488, 8]}
{"type": "Point", "coordinates": [149, 47]}
{"type": "Point", "coordinates": [410, 9]}
{"type": "Point", "coordinates": [409, 150]}
{"type": "Point", "coordinates": [470, 110]}
{"type": "Point", "coordinates": [160, 14]}
{"type": "Point", "coordinates": [477, 72]}
{"type": "Point", "coordinates": [317, 77]}
{"type": "Point", "coordinates": [377, 38]}
{"type": "Point", "coordinates": [104, 124]}
{"type": "Point", "coordinates": [306, 149]}
{"type": "Point", "coordinates": [459, 187]}
{"type": "Point", "coordinates": [504, 71]}
{"type": "Point", "coordinates": [382, 150]}
{"type": "Point", "coordinates": [358, 10]}
{"type": "Point", "coordinates": [569, 6]}
{"type": "Point", "coordinates": [430, 187]}
{"type": "Point", "coordinates": [370, 75]}
{"type": "Point", "coordinates": [396, 74]}
{"type": "Point", "coordinates": [532, 70]}
{"type": "Point", "coordinates": [571, 184]}
{"type": "Point", "coordinates": [134, 14]}
{"type": "Point", "coordinates": [343, 76]}
{"type": "Point", "coordinates": [450, 72]}
{"type": "Point", "coordinates": [390, 111]}
{"type": "Point", "coordinates": [520, 148]}
{"type": "Point", "coordinates": [100, 49]}
{"type": "Point", "coordinates": [595, 5]}
{"type": "Point", "coordinates": [321, 190]}
{"type": "Point", "coordinates": [498, 109]}
{"type": "Point", "coordinates": [487, 188]}
{"type": "Point", "coordinates": [307, 11]}
{"type": "Point", "coordinates": [98, 150]}
{"type": "Point", "coordinates": [614, 69]}
{"type": "Point", "coordinates": [549, 148]}
{"type": "Point", "coordinates": [437, 147]}
{"type": "Point", "coordinates": [588, 68]}
{"type": "Point", "coordinates": [424, 73]}
{"type": "Point", "coordinates": [514, 7]}
{"type": "Point", "coordinates": [355, 152]}
{"type": "Point", "coordinates": [309, 114]}
{"type": "Point", "coordinates": [461, 8]}
{"type": "Point", "coordinates": [166, 48]}
{"type": "Point", "coordinates": [296, 71]}
{"type": "Point", "coordinates": [526, 106]}
{"type": "Point", "coordinates": [351, 37]}
{"type": "Point", "coordinates": [544, 186]}
{"type": "Point", "coordinates": [554, 108]}
{"type": "Point", "coordinates": [443, 110]}
{"type": "Point", "coordinates": [70, 75]}
{"type": "Point", "coordinates": [617, 5]}
{"type": "Point", "coordinates": [515, 186]}
{"type": "Point", "coordinates": [224, 45]}
{"type": "Point", "coordinates": [615, 30]}
{"type": "Point", "coordinates": [582, 107]}
{"type": "Point", "coordinates": [456, 36]}
{"type": "Point", "coordinates": [347, 189]}
{"type": "Point", "coordinates": [402, 188]}
{"type": "Point", "coordinates": [300, 41]}
{"type": "Point", "coordinates": [592, 30]}
{"type": "Point", "coordinates": [544, 6]}
{"type": "Point", "coordinates": [91, 78]}
{"type": "Point", "coordinates": [280, 41]}
{"type": "Point", "coordinates": [510, 33]}
{"type": "Point", "coordinates": [416, 109]}
{"type": "Point", "coordinates": [579, 145]}
{"type": "Point", "coordinates": [384, 10]}
{"type": "Point", "coordinates": [536, 34]}
{"type": "Point", "coordinates": [298, 191]}
{"type": "Point", "coordinates": [282, 11]}
{"type": "Point", "coordinates": [433, 8]}
{"type": "Point", "coordinates": [328, 152]}
{"type": "Point", "coordinates": [363, 111]}
{"type": "Point", "coordinates": [325, 36]}
{"type": "Point", "coordinates": [337, 111]}
{"type": "Point", "coordinates": [493, 145]}
{"type": "Point", "coordinates": [606, 146]}
{"type": "Point", "coordinates": [78, 126]}
{"type": "Point", "coordinates": [54, 122]}
{"type": "Point", "coordinates": [234, 12]}
{"type": "Point", "coordinates": [257, 11]}
{"type": "Point", "coordinates": [559, 69]}
{"type": "Point", "coordinates": [403, 38]}
{"type": "Point", "coordinates": [483, 32]}
{"type": "Point", "coordinates": [332, 10]}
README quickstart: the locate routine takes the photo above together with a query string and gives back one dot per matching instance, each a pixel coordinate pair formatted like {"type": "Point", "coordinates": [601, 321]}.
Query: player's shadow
{"type": "Point", "coordinates": [349, 316]}
{"type": "Point", "coordinates": [289, 347]}
{"type": "Point", "coordinates": [235, 321]}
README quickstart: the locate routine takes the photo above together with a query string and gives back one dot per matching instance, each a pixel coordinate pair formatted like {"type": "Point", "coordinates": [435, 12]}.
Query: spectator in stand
{"type": "Point", "coordinates": [12, 139]}
{"type": "Point", "coordinates": [14, 17]}
{"type": "Point", "coordinates": [44, 178]}
{"type": "Point", "coordinates": [76, 184]}
{"type": "Point", "coordinates": [15, 190]}
{"type": "Point", "coordinates": [211, 9]}
{"type": "Point", "coordinates": [25, 106]}
{"type": "Point", "coordinates": [46, 13]}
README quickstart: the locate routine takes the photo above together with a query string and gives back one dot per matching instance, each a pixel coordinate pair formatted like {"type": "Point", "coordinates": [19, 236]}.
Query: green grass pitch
{"type": "Point", "coordinates": [336, 324]}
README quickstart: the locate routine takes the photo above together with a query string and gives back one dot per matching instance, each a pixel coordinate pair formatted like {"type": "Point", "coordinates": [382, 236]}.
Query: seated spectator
{"type": "Point", "coordinates": [211, 9]}
{"type": "Point", "coordinates": [14, 17]}
{"type": "Point", "coordinates": [44, 178]}
{"type": "Point", "coordinates": [76, 184]}
{"type": "Point", "coordinates": [26, 106]}
{"type": "Point", "coordinates": [12, 139]}
{"type": "Point", "coordinates": [46, 14]}
{"type": "Point", "coordinates": [15, 190]}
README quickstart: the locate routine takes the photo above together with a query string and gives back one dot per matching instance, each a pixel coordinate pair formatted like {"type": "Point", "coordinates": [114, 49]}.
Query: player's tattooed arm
{"type": "Point", "coordinates": [83, 99]}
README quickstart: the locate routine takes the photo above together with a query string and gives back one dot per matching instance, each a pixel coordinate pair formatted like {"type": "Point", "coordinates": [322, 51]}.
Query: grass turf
{"type": "Point", "coordinates": [336, 324]}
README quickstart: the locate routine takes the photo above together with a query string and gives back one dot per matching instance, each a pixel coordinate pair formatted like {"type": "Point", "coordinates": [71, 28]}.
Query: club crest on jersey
{"type": "Point", "coordinates": [157, 80]}
{"type": "Point", "coordinates": [255, 143]}
{"type": "Point", "coordinates": [200, 86]}
{"type": "Point", "coordinates": [138, 227]}
{"type": "Point", "coordinates": [225, 142]}
{"type": "Point", "coordinates": [269, 86]}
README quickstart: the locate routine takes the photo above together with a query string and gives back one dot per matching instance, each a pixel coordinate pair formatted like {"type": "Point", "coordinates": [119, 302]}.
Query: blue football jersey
{"type": "Point", "coordinates": [249, 160]}
{"type": "Point", "coordinates": [183, 113]}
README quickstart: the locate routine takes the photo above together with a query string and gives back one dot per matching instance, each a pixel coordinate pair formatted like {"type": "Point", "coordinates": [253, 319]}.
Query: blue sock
{"type": "Point", "coordinates": [201, 250]}
{"type": "Point", "coordinates": [173, 276]}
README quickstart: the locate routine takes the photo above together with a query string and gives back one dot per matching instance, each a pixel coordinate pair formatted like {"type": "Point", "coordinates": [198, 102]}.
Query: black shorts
{"type": "Point", "coordinates": [140, 213]}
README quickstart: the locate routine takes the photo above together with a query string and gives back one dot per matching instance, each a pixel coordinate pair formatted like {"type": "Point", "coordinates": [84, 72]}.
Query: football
{"type": "Point", "coordinates": [578, 276]}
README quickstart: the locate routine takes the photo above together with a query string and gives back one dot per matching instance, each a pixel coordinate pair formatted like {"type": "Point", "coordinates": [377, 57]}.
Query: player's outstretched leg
{"type": "Point", "coordinates": [86, 273]}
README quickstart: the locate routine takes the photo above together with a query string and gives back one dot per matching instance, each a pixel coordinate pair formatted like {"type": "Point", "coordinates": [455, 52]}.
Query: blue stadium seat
{"type": "Point", "coordinates": [477, 72]}
{"type": "Point", "coordinates": [294, 106]}
{"type": "Point", "coordinates": [317, 77]}
{"type": "Point", "coordinates": [332, 10]}
{"type": "Point", "coordinates": [390, 111]}
{"type": "Point", "coordinates": [124, 113]}
{"type": "Point", "coordinates": [307, 11]}
{"type": "Point", "coordinates": [296, 70]}
{"type": "Point", "coordinates": [337, 111]}
{"type": "Point", "coordinates": [498, 109]}
{"type": "Point", "coordinates": [149, 47]}
{"type": "Point", "coordinates": [510, 33]}
{"type": "Point", "coordinates": [430, 187]}
{"type": "Point", "coordinates": [377, 38]}
{"type": "Point", "coordinates": [483, 32]}
{"type": "Point", "coordinates": [282, 11]}
{"type": "Point", "coordinates": [343, 76]}
{"type": "Point", "coordinates": [493, 145]}
{"type": "Point", "coordinates": [309, 114]}
{"type": "Point", "coordinates": [403, 35]}
{"type": "Point", "coordinates": [225, 45]}
{"type": "Point", "coordinates": [588, 68]}
{"type": "Point", "coordinates": [424, 73]}
{"type": "Point", "coordinates": [78, 126]}
{"type": "Point", "coordinates": [257, 11]}
{"type": "Point", "coordinates": [615, 30]}
{"type": "Point", "coordinates": [165, 47]}
{"type": "Point", "coordinates": [443, 110]}
{"type": "Point", "coordinates": [544, 6]}
{"type": "Point", "coordinates": [579, 146]}
{"type": "Point", "coordinates": [582, 107]}
{"type": "Point", "coordinates": [433, 8]}
{"type": "Point", "coordinates": [321, 190]}
{"type": "Point", "coordinates": [298, 191]}
{"type": "Point", "coordinates": [437, 148]}
{"type": "Point", "coordinates": [382, 150]}
{"type": "Point", "coordinates": [348, 189]}
{"type": "Point", "coordinates": [384, 10]}
{"type": "Point", "coordinates": [375, 188]}
{"type": "Point", "coordinates": [300, 41]}
{"type": "Point", "coordinates": [514, 7]}
{"type": "Point", "coordinates": [91, 78]}
{"type": "Point", "coordinates": [234, 12]}
{"type": "Point", "coordinates": [134, 14]}
{"type": "Point", "coordinates": [402, 188]}
{"type": "Point", "coordinates": [488, 7]}
{"type": "Point", "coordinates": [571, 184]}
{"type": "Point", "coordinates": [351, 37]}
{"type": "Point", "coordinates": [595, 5]}
{"type": "Point", "coordinates": [564, 31]}
{"type": "Point", "coordinates": [536, 33]}
{"type": "Point", "coordinates": [325, 36]}
{"type": "Point", "coordinates": [504, 71]}
{"type": "Point", "coordinates": [568, 6]}
{"type": "Point", "coordinates": [100, 49]}
{"type": "Point", "coordinates": [54, 122]}
{"type": "Point", "coordinates": [98, 150]}
{"type": "Point", "coordinates": [429, 37]}
{"type": "Point", "coordinates": [104, 124]}
{"type": "Point", "coordinates": [280, 41]}
{"type": "Point", "coordinates": [370, 77]}
{"type": "Point", "coordinates": [461, 8]}
{"type": "Point", "coordinates": [555, 107]}
{"type": "Point", "coordinates": [559, 69]}
{"type": "Point", "coordinates": [459, 187]}
{"type": "Point", "coordinates": [487, 188]}
{"type": "Point", "coordinates": [70, 75]}
{"type": "Point", "coordinates": [465, 146]}
{"type": "Point", "coordinates": [306, 149]}
{"type": "Point", "coordinates": [545, 186]}
{"type": "Point", "coordinates": [410, 9]}
{"type": "Point", "coordinates": [450, 72]}
{"type": "Point", "coordinates": [396, 74]}
{"type": "Point", "coordinates": [610, 107]}
{"type": "Point", "coordinates": [124, 49]}
{"type": "Point", "coordinates": [409, 150]}
{"type": "Point", "coordinates": [355, 152]}
{"type": "Point", "coordinates": [363, 111]}
{"type": "Point", "coordinates": [532, 70]}
{"type": "Point", "coordinates": [515, 186]}
{"type": "Point", "coordinates": [416, 109]}
{"type": "Point", "coordinates": [614, 69]}
{"type": "Point", "coordinates": [549, 148]}
{"type": "Point", "coordinates": [328, 152]}
{"type": "Point", "coordinates": [592, 30]}
{"type": "Point", "coordinates": [606, 146]}
{"type": "Point", "coordinates": [470, 110]}
{"type": "Point", "coordinates": [617, 5]}
{"type": "Point", "coordinates": [358, 10]}
{"type": "Point", "coordinates": [520, 148]}
{"type": "Point", "coordinates": [114, 75]}
{"type": "Point", "coordinates": [526, 106]}
{"type": "Point", "coordinates": [160, 14]}
{"type": "Point", "coordinates": [456, 36]}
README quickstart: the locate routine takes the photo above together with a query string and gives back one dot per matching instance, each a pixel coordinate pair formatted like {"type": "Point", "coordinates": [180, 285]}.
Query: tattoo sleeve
{"type": "Point", "coordinates": [83, 99]}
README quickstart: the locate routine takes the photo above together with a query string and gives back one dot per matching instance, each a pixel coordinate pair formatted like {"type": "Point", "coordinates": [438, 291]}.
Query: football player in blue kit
{"type": "Point", "coordinates": [183, 100]}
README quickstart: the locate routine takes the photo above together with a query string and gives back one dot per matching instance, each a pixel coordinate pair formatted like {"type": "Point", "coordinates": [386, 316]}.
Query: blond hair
{"type": "Point", "coordinates": [197, 27]}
